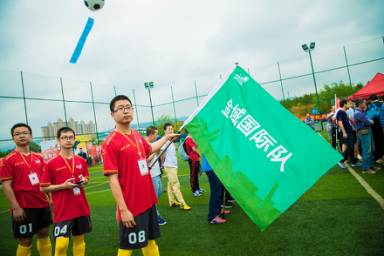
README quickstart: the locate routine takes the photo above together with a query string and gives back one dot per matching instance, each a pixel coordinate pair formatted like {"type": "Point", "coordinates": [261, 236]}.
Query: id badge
{"type": "Point", "coordinates": [143, 167]}
{"type": "Point", "coordinates": [34, 179]}
{"type": "Point", "coordinates": [76, 191]}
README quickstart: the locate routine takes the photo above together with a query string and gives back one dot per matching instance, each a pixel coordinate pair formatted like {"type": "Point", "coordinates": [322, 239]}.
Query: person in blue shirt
{"type": "Point", "coordinates": [214, 200]}
{"type": "Point", "coordinates": [347, 133]}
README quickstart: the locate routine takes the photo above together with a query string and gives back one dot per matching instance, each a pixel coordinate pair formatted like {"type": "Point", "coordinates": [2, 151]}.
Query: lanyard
{"type": "Point", "coordinates": [137, 144]}
{"type": "Point", "coordinates": [73, 164]}
{"type": "Point", "coordinates": [29, 165]}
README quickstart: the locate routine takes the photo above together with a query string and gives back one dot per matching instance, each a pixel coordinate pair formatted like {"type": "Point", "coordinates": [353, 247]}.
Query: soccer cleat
{"type": "Point", "coordinates": [185, 207]}
{"type": "Point", "coordinates": [202, 191]}
{"type": "Point", "coordinates": [225, 212]}
{"type": "Point", "coordinates": [376, 169]}
{"type": "Point", "coordinates": [164, 191]}
{"type": "Point", "coordinates": [196, 193]}
{"type": "Point", "coordinates": [356, 165]}
{"type": "Point", "coordinates": [230, 199]}
{"type": "Point", "coordinates": [174, 204]}
{"type": "Point", "coordinates": [342, 165]}
{"type": "Point", "coordinates": [369, 171]}
{"type": "Point", "coordinates": [217, 220]}
{"type": "Point", "coordinates": [161, 221]}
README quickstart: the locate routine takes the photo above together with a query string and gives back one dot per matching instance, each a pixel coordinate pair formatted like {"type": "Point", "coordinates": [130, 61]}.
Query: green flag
{"type": "Point", "coordinates": [265, 156]}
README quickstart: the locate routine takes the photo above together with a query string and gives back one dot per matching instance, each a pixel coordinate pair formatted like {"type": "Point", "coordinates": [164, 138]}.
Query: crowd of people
{"type": "Point", "coordinates": [36, 189]}
{"type": "Point", "coordinates": [359, 131]}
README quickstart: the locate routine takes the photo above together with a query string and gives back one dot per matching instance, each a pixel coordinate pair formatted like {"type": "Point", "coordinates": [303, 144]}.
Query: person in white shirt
{"type": "Point", "coordinates": [169, 163]}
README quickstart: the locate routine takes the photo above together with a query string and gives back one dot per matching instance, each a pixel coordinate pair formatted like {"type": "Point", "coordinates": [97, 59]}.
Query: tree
{"type": "Point", "coordinates": [162, 120]}
{"type": "Point", "coordinates": [34, 147]}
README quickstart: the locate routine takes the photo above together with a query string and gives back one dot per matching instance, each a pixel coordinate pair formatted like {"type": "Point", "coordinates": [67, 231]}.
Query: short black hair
{"type": "Point", "coordinates": [351, 100]}
{"type": "Point", "coordinates": [359, 101]}
{"type": "Point", "coordinates": [373, 97]}
{"type": "Point", "coordinates": [151, 130]}
{"type": "Point", "coordinates": [343, 102]}
{"type": "Point", "coordinates": [65, 129]}
{"type": "Point", "coordinates": [166, 125]}
{"type": "Point", "coordinates": [117, 98]}
{"type": "Point", "coordinates": [331, 106]}
{"type": "Point", "coordinates": [20, 125]}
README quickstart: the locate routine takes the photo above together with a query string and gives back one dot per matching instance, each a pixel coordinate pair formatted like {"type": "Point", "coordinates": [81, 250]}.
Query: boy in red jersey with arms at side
{"type": "Point", "coordinates": [64, 176]}
{"type": "Point", "coordinates": [20, 172]}
{"type": "Point", "coordinates": [125, 155]}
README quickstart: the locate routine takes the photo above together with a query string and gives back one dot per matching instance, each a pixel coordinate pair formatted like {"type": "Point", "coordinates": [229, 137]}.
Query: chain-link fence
{"type": "Point", "coordinates": [47, 103]}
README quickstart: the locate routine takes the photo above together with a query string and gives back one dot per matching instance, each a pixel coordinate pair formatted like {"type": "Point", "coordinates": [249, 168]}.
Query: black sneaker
{"type": "Point", "coordinates": [230, 199]}
{"type": "Point", "coordinates": [228, 205]}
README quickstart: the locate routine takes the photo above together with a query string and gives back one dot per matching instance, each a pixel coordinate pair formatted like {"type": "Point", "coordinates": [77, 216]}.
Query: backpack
{"type": "Point", "coordinates": [183, 153]}
{"type": "Point", "coordinates": [373, 112]}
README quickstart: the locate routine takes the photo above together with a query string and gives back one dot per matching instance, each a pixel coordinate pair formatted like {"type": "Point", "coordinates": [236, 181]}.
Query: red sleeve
{"type": "Point", "coordinates": [86, 172]}
{"type": "Point", "coordinates": [6, 172]}
{"type": "Point", "coordinates": [110, 156]}
{"type": "Point", "coordinates": [46, 179]}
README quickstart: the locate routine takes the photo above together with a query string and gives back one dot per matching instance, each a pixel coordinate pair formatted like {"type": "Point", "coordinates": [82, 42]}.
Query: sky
{"type": "Point", "coordinates": [175, 43]}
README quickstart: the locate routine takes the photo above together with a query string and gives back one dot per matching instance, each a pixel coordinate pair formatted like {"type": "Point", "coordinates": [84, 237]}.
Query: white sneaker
{"type": "Point", "coordinates": [378, 161]}
{"type": "Point", "coordinates": [359, 157]}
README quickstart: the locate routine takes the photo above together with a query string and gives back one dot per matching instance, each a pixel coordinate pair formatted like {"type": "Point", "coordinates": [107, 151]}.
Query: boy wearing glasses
{"type": "Point", "coordinates": [64, 176]}
{"type": "Point", "coordinates": [20, 172]}
{"type": "Point", "coordinates": [125, 155]}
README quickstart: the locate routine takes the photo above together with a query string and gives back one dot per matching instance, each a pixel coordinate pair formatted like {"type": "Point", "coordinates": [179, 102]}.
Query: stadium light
{"type": "Point", "coordinates": [309, 50]}
{"type": "Point", "coordinates": [149, 87]}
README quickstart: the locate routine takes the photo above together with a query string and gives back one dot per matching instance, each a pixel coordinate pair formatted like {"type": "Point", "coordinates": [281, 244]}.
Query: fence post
{"type": "Point", "coordinates": [62, 93]}
{"type": "Point", "coordinates": [197, 97]}
{"type": "Point", "coordinates": [25, 102]}
{"type": "Point", "coordinates": [94, 113]}
{"type": "Point", "coordinates": [114, 88]}
{"type": "Point", "coordinates": [174, 108]}
{"type": "Point", "coordinates": [349, 75]}
{"type": "Point", "coordinates": [281, 81]}
{"type": "Point", "coordinates": [137, 113]}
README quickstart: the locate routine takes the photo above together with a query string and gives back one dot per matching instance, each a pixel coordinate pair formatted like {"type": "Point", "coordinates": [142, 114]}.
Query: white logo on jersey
{"type": "Point", "coordinates": [78, 166]}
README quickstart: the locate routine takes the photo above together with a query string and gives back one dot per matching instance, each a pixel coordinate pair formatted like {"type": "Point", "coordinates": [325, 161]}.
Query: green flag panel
{"type": "Point", "coordinates": [265, 156]}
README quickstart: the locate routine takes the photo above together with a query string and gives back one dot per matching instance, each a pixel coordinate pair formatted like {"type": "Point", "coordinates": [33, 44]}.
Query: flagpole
{"type": "Point", "coordinates": [337, 131]}
{"type": "Point", "coordinates": [163, 151]}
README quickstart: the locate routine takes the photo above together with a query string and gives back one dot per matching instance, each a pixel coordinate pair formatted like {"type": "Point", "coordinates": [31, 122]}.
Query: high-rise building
{"type": "Point", "coordinates": [49, 132]}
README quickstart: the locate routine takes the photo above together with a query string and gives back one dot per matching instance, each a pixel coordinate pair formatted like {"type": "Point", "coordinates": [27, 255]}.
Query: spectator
{"type": "Point", "coordinates": [82, 154]}
{"type": "Point", "coordinates": [347, 133]}
{"type": "Point", "coordinates": [373, 112]}
{"type": "Point", "coordinates": [331, 119]}
{"type": "Point", "coordinates": [309, 121]}
{"type": "Point", "coordinates": [356, 142]}
{"type": "Point", "coordinates": [363, 126]}
{"type": "Point", "coordinates": [216, 191]}
{"type": "Point", "coordinates": [152, 133]}
{"type": "Point", "coordinates": [169, 164]}
{"type": "Point", "coordinates": [194, 165]}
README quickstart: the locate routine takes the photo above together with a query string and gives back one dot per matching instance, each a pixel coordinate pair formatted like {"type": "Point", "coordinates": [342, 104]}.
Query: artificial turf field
{"type": "Point", "coordinates": [335, 217]}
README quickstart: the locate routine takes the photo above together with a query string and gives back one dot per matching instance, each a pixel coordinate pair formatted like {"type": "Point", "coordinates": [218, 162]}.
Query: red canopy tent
{"type": "Point", "coordinates": [375, 86]}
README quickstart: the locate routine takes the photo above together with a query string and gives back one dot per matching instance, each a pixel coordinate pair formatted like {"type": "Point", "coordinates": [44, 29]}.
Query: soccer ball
{"type": "Point", "coordinates": [94, 5]}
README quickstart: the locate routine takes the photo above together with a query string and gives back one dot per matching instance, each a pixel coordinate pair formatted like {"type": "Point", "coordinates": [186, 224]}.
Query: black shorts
{"type": "Point", "coordinates": [147, 228]}
{"type": "Point", "coordinates": [78, 227]}
{"type": "Point", "coordinates": [37, 218]}
{"type": "Point", "coordinates": [354, 137]}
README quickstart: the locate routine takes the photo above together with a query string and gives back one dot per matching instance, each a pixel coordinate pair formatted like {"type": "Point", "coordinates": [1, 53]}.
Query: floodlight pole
{"type": "Point", "coordinates": [309, 50]}
{"type": "Point", "coordinates": [149, 87]}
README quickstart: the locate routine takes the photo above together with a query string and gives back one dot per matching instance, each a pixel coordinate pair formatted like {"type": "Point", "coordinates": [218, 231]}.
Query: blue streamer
{"type": "Point", "coordinates": [80, 44]}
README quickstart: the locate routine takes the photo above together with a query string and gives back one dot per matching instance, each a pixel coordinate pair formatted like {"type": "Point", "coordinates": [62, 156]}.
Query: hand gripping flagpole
{"type": "Point", "coordinates": [153, 163]}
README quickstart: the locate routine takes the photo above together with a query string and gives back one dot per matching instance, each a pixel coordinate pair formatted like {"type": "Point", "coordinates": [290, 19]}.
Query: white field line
{"type": "Point", "coordinates": [365, 185]}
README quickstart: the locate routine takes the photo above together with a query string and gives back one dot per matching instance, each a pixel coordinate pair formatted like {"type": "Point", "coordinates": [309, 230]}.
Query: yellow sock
{"type": "Point", "coordinates": [44, 246]}
{"type": "Point", "coordinates": [78, 245]}
{"type": "Point", "coordinates": [123, 252]}
{"type": "Point", "coordinates": [61, 246]}
{"type": "Point", "coordinates": [23, 251]}
{"type": "Point", "coordinates": [151, 249]}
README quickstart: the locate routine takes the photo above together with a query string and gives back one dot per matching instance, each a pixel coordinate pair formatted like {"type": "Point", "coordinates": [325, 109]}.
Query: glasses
{"type": "Point", "coordinates": [122, 109]}
{"type": "Point", "coordinates": [21, 133]}
{"type": "Point", "coordinates": [67, 138]}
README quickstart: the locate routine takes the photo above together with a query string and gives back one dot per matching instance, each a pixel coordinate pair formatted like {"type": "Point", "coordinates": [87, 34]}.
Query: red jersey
{"type": "Point", "coordinates": [121, 156]}
{"type": "Point", "coordinates": [189, 143]}
{"type": "Point", "coordinates": [14, 167]}
{"type": "Point", "coordinates": [66, 205]}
